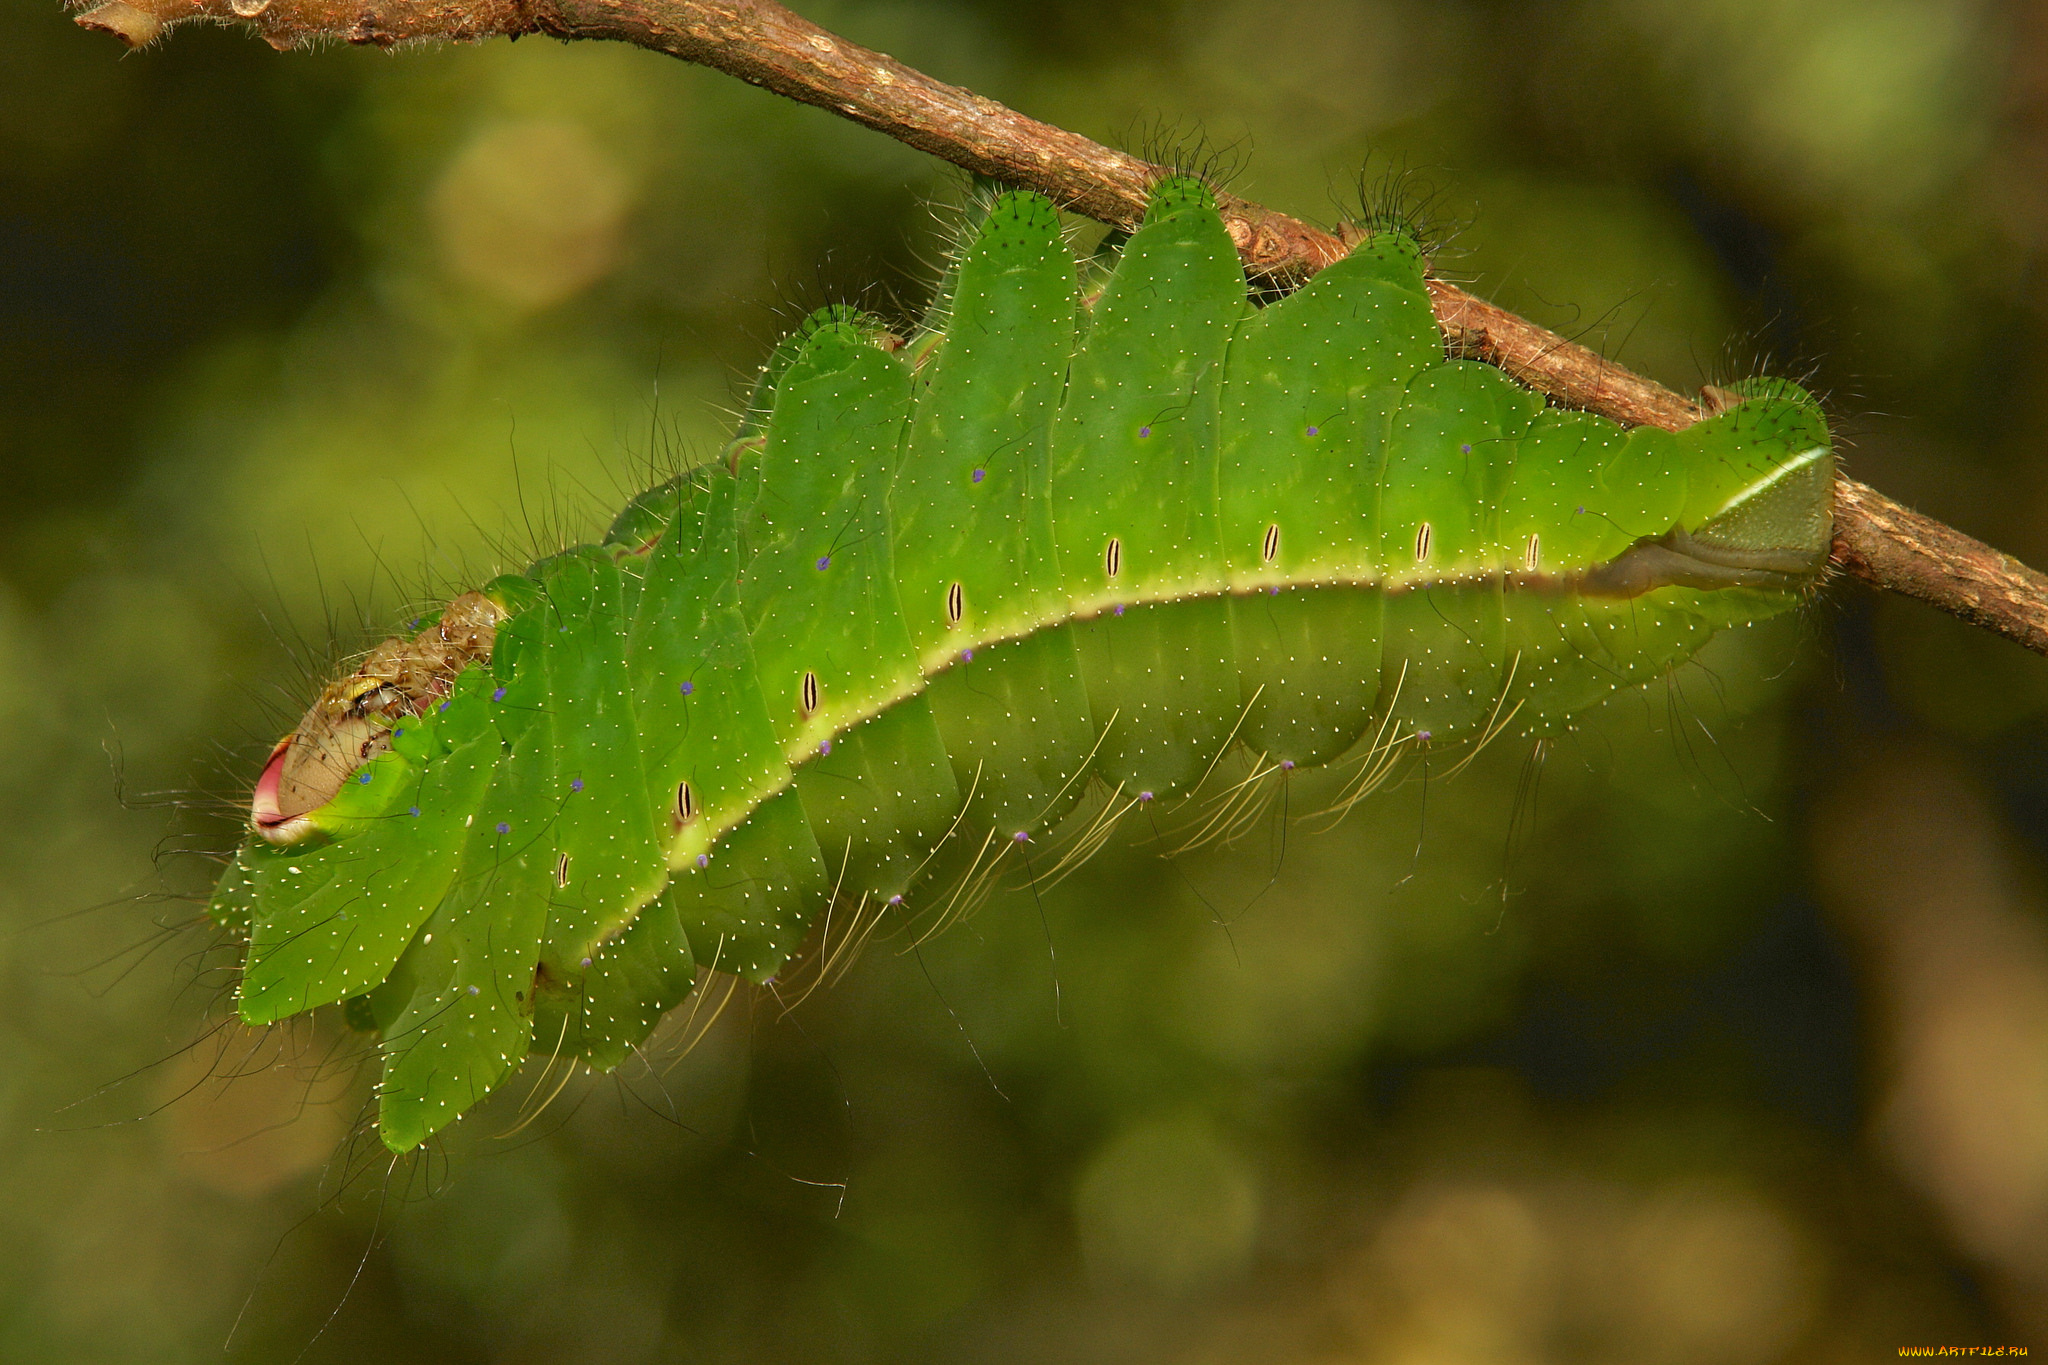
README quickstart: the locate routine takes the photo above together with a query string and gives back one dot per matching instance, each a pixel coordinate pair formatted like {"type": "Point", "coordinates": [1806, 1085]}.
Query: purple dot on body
{"type": "Point", "coordinates": [364, 779]}
{"type": "Point", "coordinates": [824, 746]}
{"type": "Point", "coordinates": [1022, 836]}
{"type": "Point", "coordinates": [1273, 591]}
{"type": "Point", "coordinates": [398, 733]}
{"type": "Point", "coordinates": [586, 962]}
{"type": "Point", "coordinates": [498, 695]}
{"type": "Point", "coordinates": [824, 563]}
{"type": "Point", "coordinates": [504, 828]}
{"type": "Point", "coordinates": [966, 656]}
{"type": "Point", "coordinates": [1286, 765]}
{"type": "Point", "coordinates": [1581, 511]}
{"type": "Point", "coordinates": [896, 900]}
{"type": "Point", "coordinates": [980, 474]}
{"type": "Point", "coordinates": [703, 860]}
{"type": "Point", "coordinates": [442, 707]}
{"type": "Point", "coordinates": [472, 990]}
{"type": "Point", "coordinates": [415, 810]}
{"type": "Point", "coordinates": [414, 624]}
{"type": "Point", "coordinates": [1144, 432]}
{"type": "Point", "coordinates": [1119, 609]}
{"type": "Point", "coordinates": [687, 688]}
{"type": "Point", "coordinates": [1422, 735]}
{"type": "Point", "coordinates": [575, 784]}
{"type": "Point", "coordinates": [1144, 796]}
{"type": "Point", "coordinates": [1314, 430]}
{"type": "Point", "coordinates": [1466, 448]}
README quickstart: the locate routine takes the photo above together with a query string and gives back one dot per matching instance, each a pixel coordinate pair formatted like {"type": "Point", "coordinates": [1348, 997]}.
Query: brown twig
{"type": "Point", "coordinates": [1881, 542]}
{"type": "Point", "coordinates": [766, 44]}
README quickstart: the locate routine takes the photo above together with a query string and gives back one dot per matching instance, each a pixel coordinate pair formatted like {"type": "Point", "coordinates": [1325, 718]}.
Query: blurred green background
{"type": "Point", "coordinates": [1750, 1065]}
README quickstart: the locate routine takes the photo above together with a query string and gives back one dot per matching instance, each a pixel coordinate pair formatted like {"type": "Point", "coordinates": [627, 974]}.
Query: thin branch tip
{"type": "Point", "coordinates": [134, 27]}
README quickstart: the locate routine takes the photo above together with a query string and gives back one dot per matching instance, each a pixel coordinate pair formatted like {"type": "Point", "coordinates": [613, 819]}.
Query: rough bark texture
{"type": "Point", "coordinates": [1882, 542]}
{"type": "Point", "coordinates": [767, 45]}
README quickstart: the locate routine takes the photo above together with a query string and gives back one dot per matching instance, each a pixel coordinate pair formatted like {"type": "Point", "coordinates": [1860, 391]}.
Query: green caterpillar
{"type": "Point", "coordinates": [936, 592]}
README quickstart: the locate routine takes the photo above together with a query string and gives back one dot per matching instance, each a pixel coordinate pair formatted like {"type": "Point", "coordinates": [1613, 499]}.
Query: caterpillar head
{"type": "Point", "coordinates": [351, 723]}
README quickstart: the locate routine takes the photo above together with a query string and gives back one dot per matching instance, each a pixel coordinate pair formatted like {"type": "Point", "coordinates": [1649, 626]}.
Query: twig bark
{"type": "Point", "coordinates": [764, 43]}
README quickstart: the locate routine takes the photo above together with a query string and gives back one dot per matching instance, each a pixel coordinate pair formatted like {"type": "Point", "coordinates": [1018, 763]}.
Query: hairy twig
{"type": "Point", "coordinates": [766, 44]}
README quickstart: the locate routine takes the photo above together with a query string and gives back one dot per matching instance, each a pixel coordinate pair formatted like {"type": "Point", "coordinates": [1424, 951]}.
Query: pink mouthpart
{"type": "Point", "coordinates": [263, 807]}
{"type": "Point", "coordinates": [275, 826]}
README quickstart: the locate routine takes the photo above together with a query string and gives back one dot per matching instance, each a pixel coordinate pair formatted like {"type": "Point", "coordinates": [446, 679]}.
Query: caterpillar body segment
{"type": "Point", "coordinates": [969, 505]}
{"type": "Point", "coordinates": [602, 820]}
{"type": "Point", "coordinates": [933, 594]}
